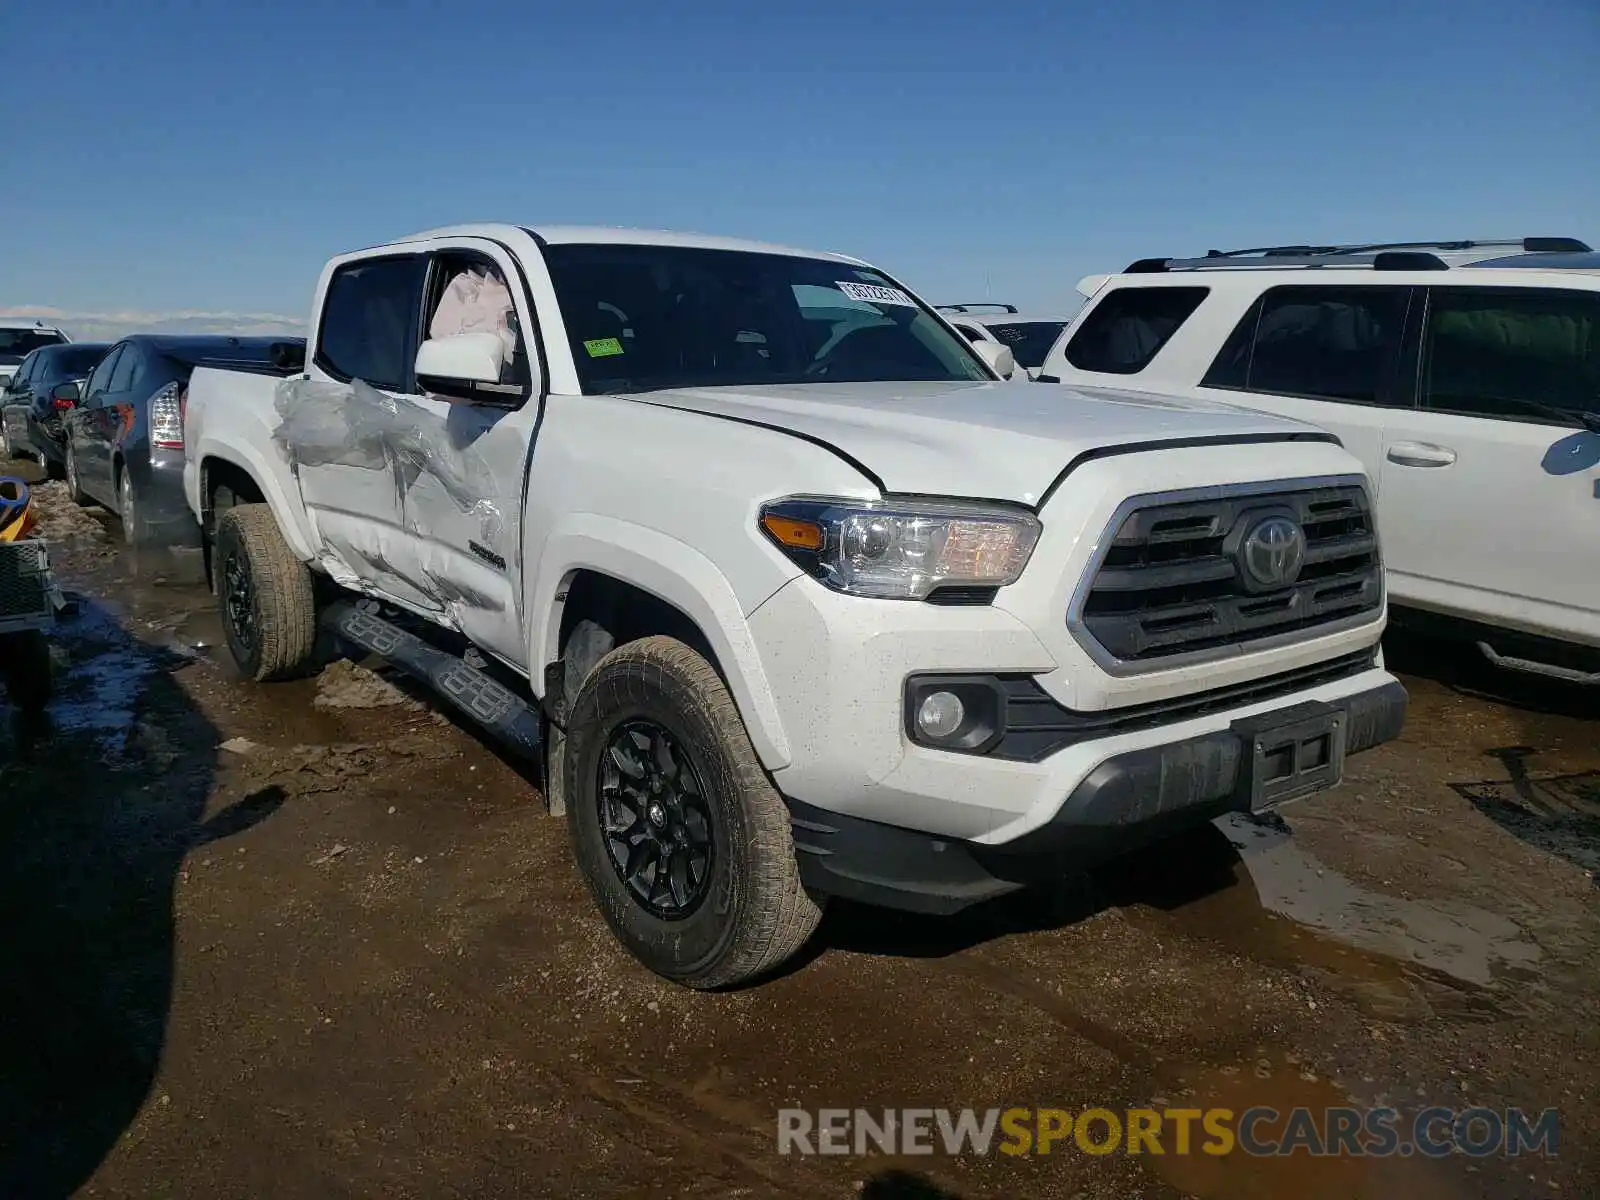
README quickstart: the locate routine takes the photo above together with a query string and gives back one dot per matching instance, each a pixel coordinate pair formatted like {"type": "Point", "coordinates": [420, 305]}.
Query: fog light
{"type": "Point", "coordinates": [940, 715]}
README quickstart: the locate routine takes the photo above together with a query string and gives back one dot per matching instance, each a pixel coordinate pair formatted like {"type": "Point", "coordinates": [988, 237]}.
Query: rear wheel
{"type": "Point", "coordinates": [265, 596]}
{"type": "Point", "coordinates": [133, 531]}
{"type": "Point", "coordinates": [682, 838]}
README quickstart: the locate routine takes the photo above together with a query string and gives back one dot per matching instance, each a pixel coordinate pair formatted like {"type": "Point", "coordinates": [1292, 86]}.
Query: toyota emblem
{"type": "Point", "coordinates": [1273, 552]}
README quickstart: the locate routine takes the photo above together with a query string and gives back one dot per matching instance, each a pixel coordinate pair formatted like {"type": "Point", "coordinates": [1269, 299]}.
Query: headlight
{"type": "Point", "coordinates": [902, 550]}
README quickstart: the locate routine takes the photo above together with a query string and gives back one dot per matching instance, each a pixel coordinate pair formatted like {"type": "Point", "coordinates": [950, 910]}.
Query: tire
{"type": "Point", "coordinates": [749, 912]}
{"type": "Point", "coordinates": [25, 665]}
{"type": "Point", "coordinates": [265, 597]}
{"type": "Point", "coordinates": [79, 496]}
{"type": "Point", "coordinates": [134, 532]}
{"type": "Point", "coordinates": [52, 468]}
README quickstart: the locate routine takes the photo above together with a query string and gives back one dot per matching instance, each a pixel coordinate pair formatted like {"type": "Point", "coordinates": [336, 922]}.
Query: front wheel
{"type": "Point", "coordinates": [269, 612]}
{"type": "Point", "coordinates": [682, 838]}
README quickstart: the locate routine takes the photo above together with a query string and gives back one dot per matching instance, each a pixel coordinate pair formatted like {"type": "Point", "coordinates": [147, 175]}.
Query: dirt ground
{"type": "Point", "coordinates": [313, 940]}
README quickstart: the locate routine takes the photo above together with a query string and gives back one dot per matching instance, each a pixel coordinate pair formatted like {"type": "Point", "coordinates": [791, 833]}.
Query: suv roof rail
{"type": "Point", "coordinates": [1007, 308]}
{"type": "Point", "coordinates": [1377, 260]}
{"type": "Point", "coordinates": [1381, 256]}
{"type": "Point", "coordinates": [1529, 244]}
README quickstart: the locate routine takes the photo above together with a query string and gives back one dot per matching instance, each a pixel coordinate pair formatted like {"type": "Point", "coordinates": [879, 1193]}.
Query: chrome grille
{"type": "Point", "coordinates": [1173, 580]}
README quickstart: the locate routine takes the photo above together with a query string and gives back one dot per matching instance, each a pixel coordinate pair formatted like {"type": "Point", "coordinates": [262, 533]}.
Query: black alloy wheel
{"type": "Point", "coordinates": [656, 819]}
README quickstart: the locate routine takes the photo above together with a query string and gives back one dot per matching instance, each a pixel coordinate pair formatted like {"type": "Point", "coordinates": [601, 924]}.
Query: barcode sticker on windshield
{"type": "Point", "coordinates": [873, 294]}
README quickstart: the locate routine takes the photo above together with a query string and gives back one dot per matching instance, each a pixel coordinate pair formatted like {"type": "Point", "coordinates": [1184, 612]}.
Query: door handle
{"type": "Point", "coordinates": [1420, 454]}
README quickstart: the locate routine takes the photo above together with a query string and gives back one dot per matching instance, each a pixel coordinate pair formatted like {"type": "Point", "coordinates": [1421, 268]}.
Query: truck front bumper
{"type": "Point", "coordinates": [1128, 800]}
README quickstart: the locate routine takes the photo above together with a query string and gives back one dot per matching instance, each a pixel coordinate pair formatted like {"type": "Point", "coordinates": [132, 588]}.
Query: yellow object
{"type": "Point", "coordinates": [801, 535]}
{"type": "Point", "coordinates": [17, 517]}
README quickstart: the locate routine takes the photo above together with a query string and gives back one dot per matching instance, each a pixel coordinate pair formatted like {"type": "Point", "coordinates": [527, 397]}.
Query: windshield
{"type": "Point", "coordinates": [1030, 341]}
{"type": "Point", "coordinates": [645, 317]}
{"type": "Point", "coordinates": [17, 344]}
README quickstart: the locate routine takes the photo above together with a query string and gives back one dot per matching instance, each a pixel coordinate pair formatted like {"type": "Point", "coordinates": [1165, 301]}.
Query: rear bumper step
{"type": "Point", "coordinates": [471, 691]}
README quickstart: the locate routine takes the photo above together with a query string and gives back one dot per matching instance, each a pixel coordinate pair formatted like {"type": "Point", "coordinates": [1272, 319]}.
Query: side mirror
{"type": "Point", "coordinates": [64, 395]}
{"type": "Point", "coordinates": [999, 358]}
{"type": "Point", "coordinates": [465, 367]}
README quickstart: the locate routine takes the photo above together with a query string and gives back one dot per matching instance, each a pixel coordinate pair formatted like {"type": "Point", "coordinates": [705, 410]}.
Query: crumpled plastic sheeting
{"type": "Point", "coordinates": [355, 425]}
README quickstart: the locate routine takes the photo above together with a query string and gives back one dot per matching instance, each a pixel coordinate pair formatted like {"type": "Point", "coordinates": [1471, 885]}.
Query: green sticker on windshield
{"type": "Point", "coordinates": [603, 347]}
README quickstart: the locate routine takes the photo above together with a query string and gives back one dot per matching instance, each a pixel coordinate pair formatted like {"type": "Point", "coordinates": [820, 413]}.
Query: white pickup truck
{"type": "Point", "coordinates": [794, 595]}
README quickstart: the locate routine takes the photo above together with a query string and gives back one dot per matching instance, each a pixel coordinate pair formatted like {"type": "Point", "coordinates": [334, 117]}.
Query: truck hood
{"type": "Point", "coordinates": [998, 441]}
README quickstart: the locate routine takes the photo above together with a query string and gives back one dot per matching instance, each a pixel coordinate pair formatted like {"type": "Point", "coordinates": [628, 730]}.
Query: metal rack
{"type": "Point", "coordinates": [1379, 256]}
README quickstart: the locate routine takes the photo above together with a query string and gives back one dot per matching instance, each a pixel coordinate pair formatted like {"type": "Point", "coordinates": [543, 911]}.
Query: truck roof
{"type": "Point", "coordinates": [557, 234]}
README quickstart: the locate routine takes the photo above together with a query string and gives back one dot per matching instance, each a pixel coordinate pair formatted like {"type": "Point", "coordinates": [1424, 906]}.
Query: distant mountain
{"type": "Point", "coordinates": [108, 326]}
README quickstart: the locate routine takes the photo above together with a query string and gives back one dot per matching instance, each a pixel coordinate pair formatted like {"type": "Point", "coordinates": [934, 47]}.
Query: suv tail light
{"type": "Point", "coordinates": [166, 416]}
{"type": "Point", "coordinates": [62, 404]}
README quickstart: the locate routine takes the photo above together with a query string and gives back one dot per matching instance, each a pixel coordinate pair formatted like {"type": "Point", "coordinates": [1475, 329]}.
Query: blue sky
{"type": "Point", "coordinates": [207, 156]}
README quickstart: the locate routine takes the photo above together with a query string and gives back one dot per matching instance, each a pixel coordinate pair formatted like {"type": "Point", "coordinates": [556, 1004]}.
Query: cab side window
{"type": "Point", "coordinates": [98, 383]}
{"type": "Point", "coordinates": [1511, 353]}
{"type": "Point", "coordinates": [1325, 343]}
{"type": "Point", "coordinates": [468, 294]}
{"type": "Point", "coordinates": [122, 374]}
{"type": "Point", "coordinates": [22, 377]}
{"type": "Point", "coordinates": [1126, 330]}
{"type": "Point", "coordinates": [370, 320]}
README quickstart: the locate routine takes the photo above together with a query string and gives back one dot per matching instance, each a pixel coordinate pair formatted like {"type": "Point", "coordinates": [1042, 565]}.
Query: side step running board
{"type": "Point", "coordinates": [471, 691]}
{"type": "Point", "coordinates": [1529, 667]}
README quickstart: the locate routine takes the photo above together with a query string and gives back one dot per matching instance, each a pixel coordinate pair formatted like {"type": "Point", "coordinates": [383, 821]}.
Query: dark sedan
{"type": "Point", "coordinates": [124, 444]}
{"type": "Point", "coordinates": [44, 389]}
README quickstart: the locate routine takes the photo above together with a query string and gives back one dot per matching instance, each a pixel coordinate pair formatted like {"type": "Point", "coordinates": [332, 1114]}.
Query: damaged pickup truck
{"type": "Point", "coordinates": [793, 595]}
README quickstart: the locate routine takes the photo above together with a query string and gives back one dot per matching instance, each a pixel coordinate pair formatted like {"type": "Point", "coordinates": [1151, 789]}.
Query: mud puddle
{"type": "Point", "coordinates": [1249, 886]}
{"type": "Point", "coordinates": [1282, 1084]}
{"type": "Point", "coordinates": [1556, 811]}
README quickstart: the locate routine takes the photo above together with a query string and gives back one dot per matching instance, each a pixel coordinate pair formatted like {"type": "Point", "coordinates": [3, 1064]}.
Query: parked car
{"type": "Point", "coordinates": [1466, 377]}
{"type": "Point", "coordinates": [19, 341]}
{"type": "Point", "coordinates": [44, 389]}
{"type": "Point", "coordinates": [1028, 338]}
{"type": "Point", "coordinates": [796, 595]}
{"type": "Point", "coordinates": [123, 444]}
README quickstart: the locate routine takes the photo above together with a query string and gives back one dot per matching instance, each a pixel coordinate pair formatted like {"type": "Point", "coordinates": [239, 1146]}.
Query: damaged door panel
{"type": "Point", "coordinates": [464, 547]}
{"type": "Point", "coordinates": [343, 422]}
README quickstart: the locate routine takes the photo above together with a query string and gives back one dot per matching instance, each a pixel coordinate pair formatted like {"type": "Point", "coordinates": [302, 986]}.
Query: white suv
{"type": "Point", "coordinates": [1465, 376]}
{"type": "Point", "coordinates": [1028, 338]}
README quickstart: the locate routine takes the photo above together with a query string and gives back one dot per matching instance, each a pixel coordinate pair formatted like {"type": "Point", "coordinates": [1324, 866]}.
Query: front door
{"type": "Point", "coordinates": [91, 426]}
{"type": "Point", "coordinates": [351, 472]}
{"type": "Point", "coordinates": [1498, 476]}
{"type": "Point", "coordinates": [1325, 354]}
{"type": "Point", "coordinates": [464, 512]}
